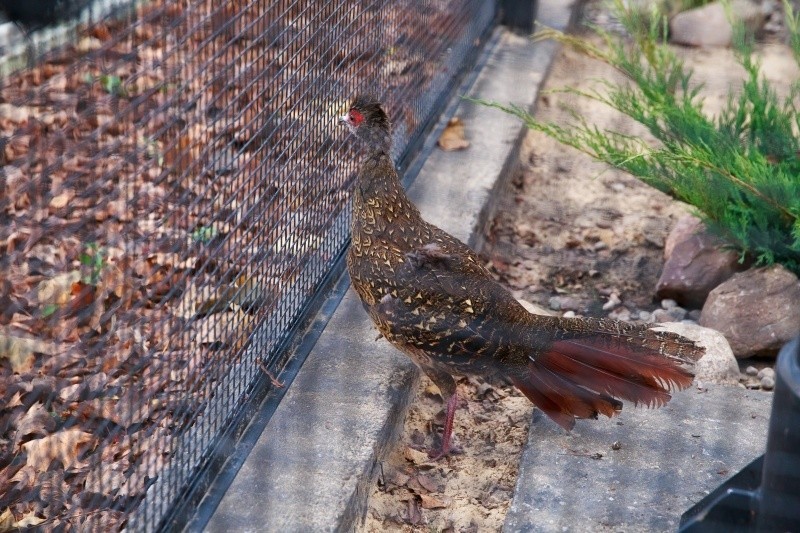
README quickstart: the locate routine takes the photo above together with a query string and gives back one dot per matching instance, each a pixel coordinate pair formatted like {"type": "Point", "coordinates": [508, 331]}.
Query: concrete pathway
{"type": "Point", "coordinates": [664, 461]}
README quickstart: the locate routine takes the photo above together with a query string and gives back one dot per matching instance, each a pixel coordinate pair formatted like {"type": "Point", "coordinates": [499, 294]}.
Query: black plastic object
{"type": "Point", "coordinates": [765, 495]}
{"type": "Point", "coordinates": [519, 14]}
{"type": "Point", "coordinates": [36, 14]}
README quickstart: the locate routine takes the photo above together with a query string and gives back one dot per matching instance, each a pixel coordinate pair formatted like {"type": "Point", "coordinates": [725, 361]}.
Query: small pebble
{"type": "Point", "coordinates": [751, 371]}
{"type": "Point", "coordinates": [618, 187]}
{"type": "Point", "coordinates": [613, 301]}
{"type": "Point", "coordinates": [694, 314]}
{"type": "Point", "coordinates": [564, 303]}
{"type": "Point", "coordinates": [620, 313]}
{"type": "Point", "coordinates": [603, 224]}
{"type": "Point", "coordinates": [668, 303]}
{"type": "Point", "coordinates": [645, 316]}
{"type": "Point", "coordinates": [766, 372]}
{"type": "Point", "coordinates": [678, 313]}
{"type": "Point", "coordinates": [767, 383]}
{"type": "Point", "coordinates": [617, 445]}
{"type": "Point", "coordinates": [599, 245]}
{"type": "Point", "coordinates": [662, 315]}
{"type": "Point", "coordinates": [569, 314]}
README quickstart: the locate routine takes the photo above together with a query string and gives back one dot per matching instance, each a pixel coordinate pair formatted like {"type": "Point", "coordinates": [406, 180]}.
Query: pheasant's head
{"type": "Point", "coordinates": [367, 121]}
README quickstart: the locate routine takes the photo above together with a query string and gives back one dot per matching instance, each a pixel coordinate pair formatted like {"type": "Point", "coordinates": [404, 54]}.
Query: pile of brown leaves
{"type": "Point", "coordinates": [158, 201]}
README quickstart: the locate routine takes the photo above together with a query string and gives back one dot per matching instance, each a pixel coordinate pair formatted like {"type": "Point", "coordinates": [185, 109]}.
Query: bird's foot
{"type": "Point", "coordinates": [440, 452]}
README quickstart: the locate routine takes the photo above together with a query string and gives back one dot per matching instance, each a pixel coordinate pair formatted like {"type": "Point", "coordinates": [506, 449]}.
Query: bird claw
{"type": "Point", "coordinates": [436, 454]}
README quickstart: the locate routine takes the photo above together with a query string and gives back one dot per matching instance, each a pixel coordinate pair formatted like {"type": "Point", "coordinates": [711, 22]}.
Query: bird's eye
{"type": "Point", "coordinates": [356, 117]}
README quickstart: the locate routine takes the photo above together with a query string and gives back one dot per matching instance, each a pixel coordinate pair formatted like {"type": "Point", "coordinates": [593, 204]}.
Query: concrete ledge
{"type": "Point", "coordinates": [314, 463]}
{"type": "Point", "coordinates": [668, 460]}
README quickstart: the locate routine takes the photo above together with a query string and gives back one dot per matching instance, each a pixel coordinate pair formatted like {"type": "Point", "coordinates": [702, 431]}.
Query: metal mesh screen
{"type": "Point", "coordinates": [173, 192]}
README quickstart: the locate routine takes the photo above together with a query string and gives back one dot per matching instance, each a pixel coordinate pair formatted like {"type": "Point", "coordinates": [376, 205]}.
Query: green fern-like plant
{"type": "Point", "coordinates": [740, 169]}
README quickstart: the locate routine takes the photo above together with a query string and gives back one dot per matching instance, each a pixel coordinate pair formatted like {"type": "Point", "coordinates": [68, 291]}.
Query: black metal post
{"type": "Point", "coordinates": [519, 15]}
{"type": "Point", "coordinates": [765, 495]}
{"type": "Point", "coordinates": [780, 481]}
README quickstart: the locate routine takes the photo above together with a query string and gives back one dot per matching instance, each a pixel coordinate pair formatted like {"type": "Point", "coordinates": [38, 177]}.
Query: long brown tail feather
{"type": "Point", "coordinates": [583, 377]}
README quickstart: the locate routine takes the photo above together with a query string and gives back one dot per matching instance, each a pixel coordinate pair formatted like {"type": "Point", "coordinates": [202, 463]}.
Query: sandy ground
{"type": "Point", "coordinates": [565, 226]}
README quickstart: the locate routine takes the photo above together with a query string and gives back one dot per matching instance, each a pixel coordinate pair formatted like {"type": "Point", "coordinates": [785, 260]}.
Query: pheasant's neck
{"type": "Point", "coordinates": [379, 198]}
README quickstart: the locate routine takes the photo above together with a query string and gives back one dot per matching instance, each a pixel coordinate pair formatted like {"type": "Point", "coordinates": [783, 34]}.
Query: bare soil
{"type": "Point", "coordinates": [567, 226]}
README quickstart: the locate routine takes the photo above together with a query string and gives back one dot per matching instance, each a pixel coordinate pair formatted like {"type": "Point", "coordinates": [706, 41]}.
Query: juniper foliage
{"type": "Point", "coordinates": [740, 169]}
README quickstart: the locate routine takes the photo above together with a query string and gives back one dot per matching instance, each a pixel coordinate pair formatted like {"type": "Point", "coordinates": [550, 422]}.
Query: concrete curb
{"type": "Point", "coordinates": [313, 465]}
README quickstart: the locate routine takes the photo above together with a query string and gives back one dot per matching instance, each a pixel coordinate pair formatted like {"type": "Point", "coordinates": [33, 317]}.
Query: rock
{"type": "Point", "coordinates": [756, 310]}
{"type": "Point", "coordinates": [569, 314]}
{"type": "Point", "coordinates": [668, 304]}
{"type": "Point", "coordinates": [718, 364]}
{"type": "Point", "coordinates": [645, 316]}
{"type": "Point", "coordinates": [535, 309]}
{"type": "Point", "coordinates": [751, 371]}
{"type": "Point", "coordinates": [694, 314]}
{"type": "Point", "coordinates": [767, 383]}
{"type": "Point", "coordinates": [708, 25]}
{"type": "Point", "coordinates": [684, 228]}
{"type": "Point", "coordinates": [564, 303]}
{"type": "Point", "coordinates": [695, 263]}
{"type": "Point", "coordinates": [766, 372]}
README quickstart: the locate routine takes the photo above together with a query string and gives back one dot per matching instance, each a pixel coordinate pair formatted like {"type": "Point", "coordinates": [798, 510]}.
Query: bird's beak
{"type": "Point", "coordinates": [344, 120]}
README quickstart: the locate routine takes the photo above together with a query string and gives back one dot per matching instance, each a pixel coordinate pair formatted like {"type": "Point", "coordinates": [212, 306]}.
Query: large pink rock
{"type": "Point", "coordinates": [696, 262]}
{"type": "Point", "coordinates": [758, 310]}
{"type": "Point", "coordinates": [708, 25]}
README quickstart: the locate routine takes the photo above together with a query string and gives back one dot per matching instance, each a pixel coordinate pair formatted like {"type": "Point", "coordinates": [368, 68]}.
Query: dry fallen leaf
{"type": "Point", "coordinates": [414, 514]}
{"type": "Point", "coordinates": [89, 44]}
{"type": "Point", "coordinates": [25, 478]}
{"type": "Point", "coordinates": [415, 456]}
{"type": "Point", "coordinates": [16, 400]}
{"type": "Point", "coordinates": [430, 502]}
{"type": "Point", "coordinates": [65, 445]}
{"type": "Point", "coordinates": [28, 520]}
{"type": "Point", "coordinates": [7, 520]}
{"type": "Point", "coordinates": [62, 199]}
{"type": "Point", "coordinates": [36, 421]}
{"type": "Point", "coordinates": [453, 137]}
{"type": "Point", "coordinates": [58, 289]}
{"type": "Point", "coordinates": [20, 350]}
{"type": "Point", "coordinates": [231, 329]}
{"type": "Point", "coordinates": [427, 483]}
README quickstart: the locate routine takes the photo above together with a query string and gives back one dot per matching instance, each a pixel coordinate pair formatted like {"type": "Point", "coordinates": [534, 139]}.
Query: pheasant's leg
{"type": "Point", "coordinates": [447, 434]}
{"type": "Point", "coordinates": [447, 387]}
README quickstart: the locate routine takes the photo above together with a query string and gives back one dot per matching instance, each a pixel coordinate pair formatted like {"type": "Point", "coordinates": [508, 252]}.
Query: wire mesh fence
{"type": "Point", "coordinates": [173, 192]}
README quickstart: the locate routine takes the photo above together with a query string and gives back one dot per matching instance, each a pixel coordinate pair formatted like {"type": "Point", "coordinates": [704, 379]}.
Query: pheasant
{"type": "Point", "coordinates": [430, 296]}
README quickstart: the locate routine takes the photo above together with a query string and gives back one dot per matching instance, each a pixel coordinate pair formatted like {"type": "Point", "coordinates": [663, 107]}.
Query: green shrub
{"type": "Point", "coordinates": [740, 169]}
